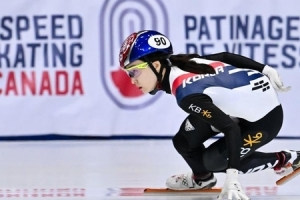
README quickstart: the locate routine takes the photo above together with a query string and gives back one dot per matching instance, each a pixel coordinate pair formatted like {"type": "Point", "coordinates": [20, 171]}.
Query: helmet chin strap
{"type": "Point", "coordinates": [158, 76]}
{"type": "Point", "coordinates": [159, 79]}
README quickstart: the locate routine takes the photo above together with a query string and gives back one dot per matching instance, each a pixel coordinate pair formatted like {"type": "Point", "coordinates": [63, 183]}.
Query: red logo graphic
{"type": "Point", "coordinates": [116, 82]}
{"type": "Point", "coordinates": [124, 85]}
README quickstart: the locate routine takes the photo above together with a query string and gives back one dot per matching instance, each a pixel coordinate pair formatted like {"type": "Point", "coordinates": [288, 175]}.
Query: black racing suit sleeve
{"type": "Point", "coordinates": [201, 105]}
{"type": "Point", "coordinates": [236, 60]}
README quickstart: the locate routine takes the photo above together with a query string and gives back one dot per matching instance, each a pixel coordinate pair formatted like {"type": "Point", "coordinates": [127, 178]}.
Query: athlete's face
{"type": "Point", "coordinates": [142, 76]}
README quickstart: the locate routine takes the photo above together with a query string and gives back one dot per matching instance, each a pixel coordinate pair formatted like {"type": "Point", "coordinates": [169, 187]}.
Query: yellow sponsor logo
{"type": "Point", "coordinates": [253, 140]}
{"type": "Point", "coordinates": [206, 114]}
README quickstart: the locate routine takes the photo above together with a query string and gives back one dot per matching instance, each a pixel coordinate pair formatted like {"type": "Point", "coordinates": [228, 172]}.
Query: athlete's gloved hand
{"type": "Point", "coordinates": [232, 187]}
{"type": "Point", "coordinates": [275, 79]}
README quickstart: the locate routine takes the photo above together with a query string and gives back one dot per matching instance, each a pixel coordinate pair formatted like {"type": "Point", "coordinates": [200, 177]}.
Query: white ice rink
{"type": "Point", "coordinates": [116, 169]}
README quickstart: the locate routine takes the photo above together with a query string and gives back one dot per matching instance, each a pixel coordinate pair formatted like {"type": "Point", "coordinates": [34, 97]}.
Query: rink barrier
{"type": "Point", "coordinates": [123, 137]}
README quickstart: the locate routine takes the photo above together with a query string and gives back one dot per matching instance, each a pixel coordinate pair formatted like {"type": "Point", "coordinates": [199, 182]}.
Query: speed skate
{"type": "Point", "coordinates": [289, 177]}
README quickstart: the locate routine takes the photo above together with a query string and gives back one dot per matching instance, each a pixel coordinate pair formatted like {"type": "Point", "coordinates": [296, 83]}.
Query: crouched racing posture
{"type": "Point", "coordinates": [222, 93]}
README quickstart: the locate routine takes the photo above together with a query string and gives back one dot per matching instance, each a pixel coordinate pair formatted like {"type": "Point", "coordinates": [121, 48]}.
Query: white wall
{"type": "Point", "coordinates": [77, 93]}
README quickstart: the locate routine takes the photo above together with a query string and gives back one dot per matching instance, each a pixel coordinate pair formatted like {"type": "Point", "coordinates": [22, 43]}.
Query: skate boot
{"type": "Point", "coordinates": [289, 161]}
{"type": "Point", "coordinates": [187, 182]}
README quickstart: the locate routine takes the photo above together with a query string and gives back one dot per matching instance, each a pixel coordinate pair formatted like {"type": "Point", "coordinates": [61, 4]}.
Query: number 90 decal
{"type": "Point", "coordinates": [159, 42]}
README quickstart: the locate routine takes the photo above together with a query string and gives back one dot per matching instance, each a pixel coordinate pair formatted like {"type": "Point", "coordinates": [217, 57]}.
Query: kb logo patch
{"type": "Point", "coordinates": [195, 108]}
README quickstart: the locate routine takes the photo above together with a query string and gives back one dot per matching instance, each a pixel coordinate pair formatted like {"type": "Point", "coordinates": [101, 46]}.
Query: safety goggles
{"type": "Point", "coordinates": [134, 71]}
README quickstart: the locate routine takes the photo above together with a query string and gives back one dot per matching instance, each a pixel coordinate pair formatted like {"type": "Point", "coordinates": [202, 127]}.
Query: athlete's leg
{"type": "Point", "coordinates": [254, 135]}
{"type": "Point", "coordinates": [189, 141]}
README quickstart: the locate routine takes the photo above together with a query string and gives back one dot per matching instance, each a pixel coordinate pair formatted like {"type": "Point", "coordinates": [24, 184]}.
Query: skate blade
{"type": "Point", "coordinates": [167, 190]}
{"type": "Point", "coordinates": [289, 177]}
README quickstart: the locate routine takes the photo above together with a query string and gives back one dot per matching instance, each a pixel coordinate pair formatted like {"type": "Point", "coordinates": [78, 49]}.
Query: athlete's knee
{"type": "Point", "coordinates": [253, 140]}
{"type": "Point", "coordinates": [214, 161]}
{"type": "Point", "coordinates": [183, 147]}
{"type": "Point", "coordinates": [215, 157]}
{"type": "Point", "coordinates": [180, 143]}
